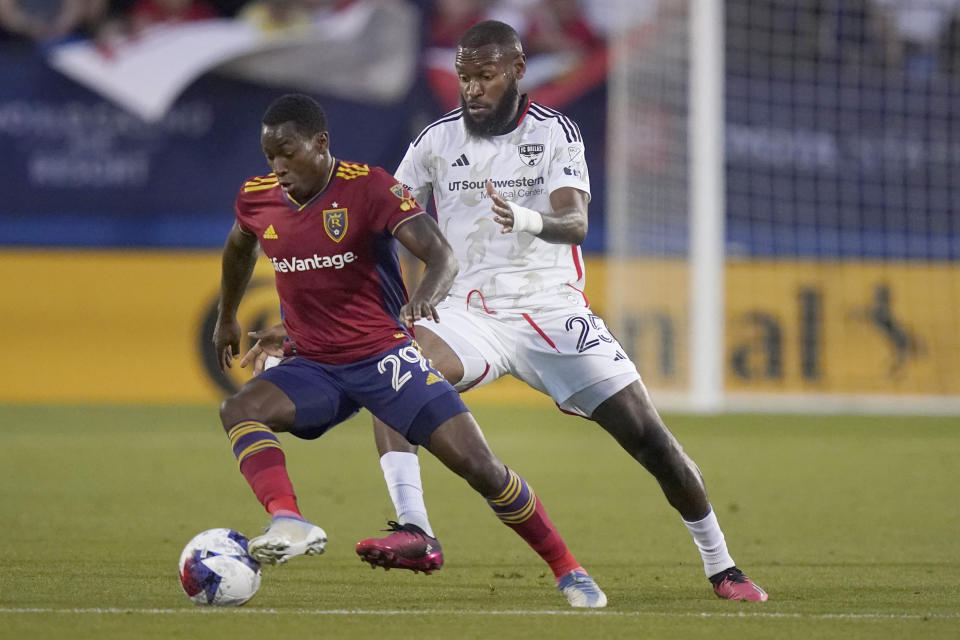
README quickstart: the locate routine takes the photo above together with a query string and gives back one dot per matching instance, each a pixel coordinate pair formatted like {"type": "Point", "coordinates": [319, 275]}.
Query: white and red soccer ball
{"type": "Point", "coordinates": [215, 569]}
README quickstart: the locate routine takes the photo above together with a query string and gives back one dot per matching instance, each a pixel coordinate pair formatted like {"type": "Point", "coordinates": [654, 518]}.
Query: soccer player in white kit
{"type": "Point", "coordinates": [511, 187]}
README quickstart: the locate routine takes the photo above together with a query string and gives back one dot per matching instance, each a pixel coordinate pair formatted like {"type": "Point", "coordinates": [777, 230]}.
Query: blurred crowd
{"type": "Point", "coordinates": [48, 22]}
{"type": "Point", "coordinates": [912, 37]}
{"type": "Point", "coordinates": [546, 25]}
{"type": "Point", "coordinates": [561, 37]}
{"type": "Point", "coordinates": [918, 37]}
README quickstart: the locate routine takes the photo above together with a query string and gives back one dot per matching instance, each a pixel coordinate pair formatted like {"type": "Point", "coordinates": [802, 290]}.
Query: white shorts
{"type": "Point", "coordinates": [566, 353]}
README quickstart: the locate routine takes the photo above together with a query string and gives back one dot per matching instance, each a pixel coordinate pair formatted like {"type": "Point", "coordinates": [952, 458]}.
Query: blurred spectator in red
{"type": "Point", "coordinates": [150, 12]}
{"type": "Point", "coordinates": [46, 21]}
{"type": "Point", "coordinates": [560, 26]}
{"type": "Point", "coordinates": [557, 36]}
{"type": "Point", "coordinates": [128, 19]}
{"type": "Point", "coordinates": [445, 24]}
{"type": "Point", "coordinates": [449, 19]}
{"type": "Point", "coordinates": [564, 50]}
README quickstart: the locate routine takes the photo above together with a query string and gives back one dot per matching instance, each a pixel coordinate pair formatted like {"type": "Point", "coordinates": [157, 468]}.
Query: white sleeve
{"type": "Point", "coordinates": [568, 165]}
{"type": "Point", "coordinates": [414, 175]}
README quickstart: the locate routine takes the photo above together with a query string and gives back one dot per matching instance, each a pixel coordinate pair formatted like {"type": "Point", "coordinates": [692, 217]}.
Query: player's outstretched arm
{"type": "Point", "coordinates": [238, 260]}
{"type": "Point", "coordinates": [423, 238]}
{"type": "Point", "coordinates": [566, 223]}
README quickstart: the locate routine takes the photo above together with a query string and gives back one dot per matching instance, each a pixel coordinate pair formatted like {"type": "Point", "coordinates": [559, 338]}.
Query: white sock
{"type": "Point", "coordinates": [709, 540]}
{"type": "Point", "coordinates": [401, 470]}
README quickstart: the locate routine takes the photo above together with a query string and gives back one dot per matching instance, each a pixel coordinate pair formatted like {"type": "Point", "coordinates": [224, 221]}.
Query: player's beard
{"type": "Point", "coordinates": [500, 118]}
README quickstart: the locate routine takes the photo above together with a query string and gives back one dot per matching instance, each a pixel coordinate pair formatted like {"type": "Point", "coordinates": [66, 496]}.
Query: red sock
{"type": "Point", "coordinates": [285, 506]}
{"type": "Point", "coordinates": [542, 535]}
{"type": "Point", "coordinates": [520, 509]}
{"type": "Point", "coordinates": [266, 473]}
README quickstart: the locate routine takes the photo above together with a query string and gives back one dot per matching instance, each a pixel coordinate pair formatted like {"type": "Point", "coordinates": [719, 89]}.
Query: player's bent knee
{"type": "Point", "coordinates": [236, 409]}
{"type": "Point", "coordinates": [257, 405]}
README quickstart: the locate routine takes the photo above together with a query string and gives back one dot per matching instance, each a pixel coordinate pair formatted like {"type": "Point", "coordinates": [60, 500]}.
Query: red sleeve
{"type": "Point", "coordinates": [391, 200]}
{"type": "Point", "coordinates": [241, 209]}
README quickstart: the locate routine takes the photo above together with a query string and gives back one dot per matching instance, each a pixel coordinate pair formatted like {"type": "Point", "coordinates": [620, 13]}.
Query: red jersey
{"type": "Point", "coordinates": [335, 260]}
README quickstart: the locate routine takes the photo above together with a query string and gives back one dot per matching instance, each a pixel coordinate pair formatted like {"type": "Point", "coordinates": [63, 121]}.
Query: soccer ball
{"type": "Point", "coordinates": [216, 569]}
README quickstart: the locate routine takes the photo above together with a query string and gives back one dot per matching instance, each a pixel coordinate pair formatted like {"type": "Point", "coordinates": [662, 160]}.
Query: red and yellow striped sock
{"type": "Point", "coordinates": [520, 509]}
{"type": "Point", "coordinates": [264, 465]}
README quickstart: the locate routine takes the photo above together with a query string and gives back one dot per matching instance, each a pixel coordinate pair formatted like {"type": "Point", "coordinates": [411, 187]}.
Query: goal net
{"type": "Point", "coordinates": [783, 221]}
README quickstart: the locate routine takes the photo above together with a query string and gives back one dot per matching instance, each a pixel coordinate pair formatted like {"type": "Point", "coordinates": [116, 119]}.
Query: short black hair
{"type": "Point", "coordinates": [490, 32]}
{"type": "Point", "coordinates": [303, 111]}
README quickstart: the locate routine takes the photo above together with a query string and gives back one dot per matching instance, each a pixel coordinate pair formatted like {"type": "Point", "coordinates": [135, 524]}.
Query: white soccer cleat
{"type": "Point", "coordinates": [285, 538]}
{"type": "Point", "coordinates": [581, 590]}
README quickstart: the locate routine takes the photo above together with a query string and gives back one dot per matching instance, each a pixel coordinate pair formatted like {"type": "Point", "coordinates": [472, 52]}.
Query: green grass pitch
{"type": "Point", "coordinates": [851, 524]}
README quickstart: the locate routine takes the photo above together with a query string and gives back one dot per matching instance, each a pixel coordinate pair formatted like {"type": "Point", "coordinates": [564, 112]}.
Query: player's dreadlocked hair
{"type": "Point", "coordinates": [303, 111]}
{"type": "Point", "coordinates": [490, 32]}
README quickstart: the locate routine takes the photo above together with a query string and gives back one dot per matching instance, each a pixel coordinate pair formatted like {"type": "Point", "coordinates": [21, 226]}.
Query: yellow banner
{"type": "Point", "coordinates": [107, 326]}
{"type": "Point", "coordinates": [801, 326]}
{"type": "Point", "coordinates": [132, 327]}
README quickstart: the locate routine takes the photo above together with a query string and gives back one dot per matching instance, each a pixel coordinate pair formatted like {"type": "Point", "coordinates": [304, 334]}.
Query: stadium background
{"type": "Point", "coordinates": [841, 291]}
{"type": "Point", "coordinates": [841, 276]}
{"type": "Point", "coordinates": [115, 223]}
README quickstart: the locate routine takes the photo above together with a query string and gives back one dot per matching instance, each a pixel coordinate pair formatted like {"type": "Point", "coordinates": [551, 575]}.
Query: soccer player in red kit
{"type": "Point", "coordinates": [328, 227]}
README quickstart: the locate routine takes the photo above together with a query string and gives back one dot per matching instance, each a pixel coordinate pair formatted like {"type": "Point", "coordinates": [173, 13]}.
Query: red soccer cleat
{"type": "Point", "coordinates": [732, 584]}
{"type": "Point", "coordinates": [407, 547]}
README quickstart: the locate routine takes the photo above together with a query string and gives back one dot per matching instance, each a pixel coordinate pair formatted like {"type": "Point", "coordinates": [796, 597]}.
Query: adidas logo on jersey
{"type": "Point", "coordinates": [461, 161]}
{"type": "Point", "coordinates": [270, 234]}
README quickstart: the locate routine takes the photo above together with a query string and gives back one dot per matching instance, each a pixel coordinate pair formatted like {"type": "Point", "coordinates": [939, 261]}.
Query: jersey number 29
{"type": "Point", "coordinates": [392, 362]}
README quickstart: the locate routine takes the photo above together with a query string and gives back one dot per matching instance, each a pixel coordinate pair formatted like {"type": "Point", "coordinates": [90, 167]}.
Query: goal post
{"type": "Point", "coordinates": [706, 254]}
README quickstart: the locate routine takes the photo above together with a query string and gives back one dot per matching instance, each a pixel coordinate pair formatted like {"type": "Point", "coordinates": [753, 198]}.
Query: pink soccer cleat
{"type": "Point", "coordinates": [733, 584]}
{"type": "Point", "coordinates": [407, 547]}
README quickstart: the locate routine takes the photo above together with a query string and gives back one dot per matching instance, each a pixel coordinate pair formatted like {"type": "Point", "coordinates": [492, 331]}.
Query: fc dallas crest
{"type": "Point", "coordinates": [530, 153]}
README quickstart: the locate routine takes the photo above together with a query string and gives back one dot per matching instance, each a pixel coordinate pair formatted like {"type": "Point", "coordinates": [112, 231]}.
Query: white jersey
{"type": "Point", "coordinates": [515, 271]}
